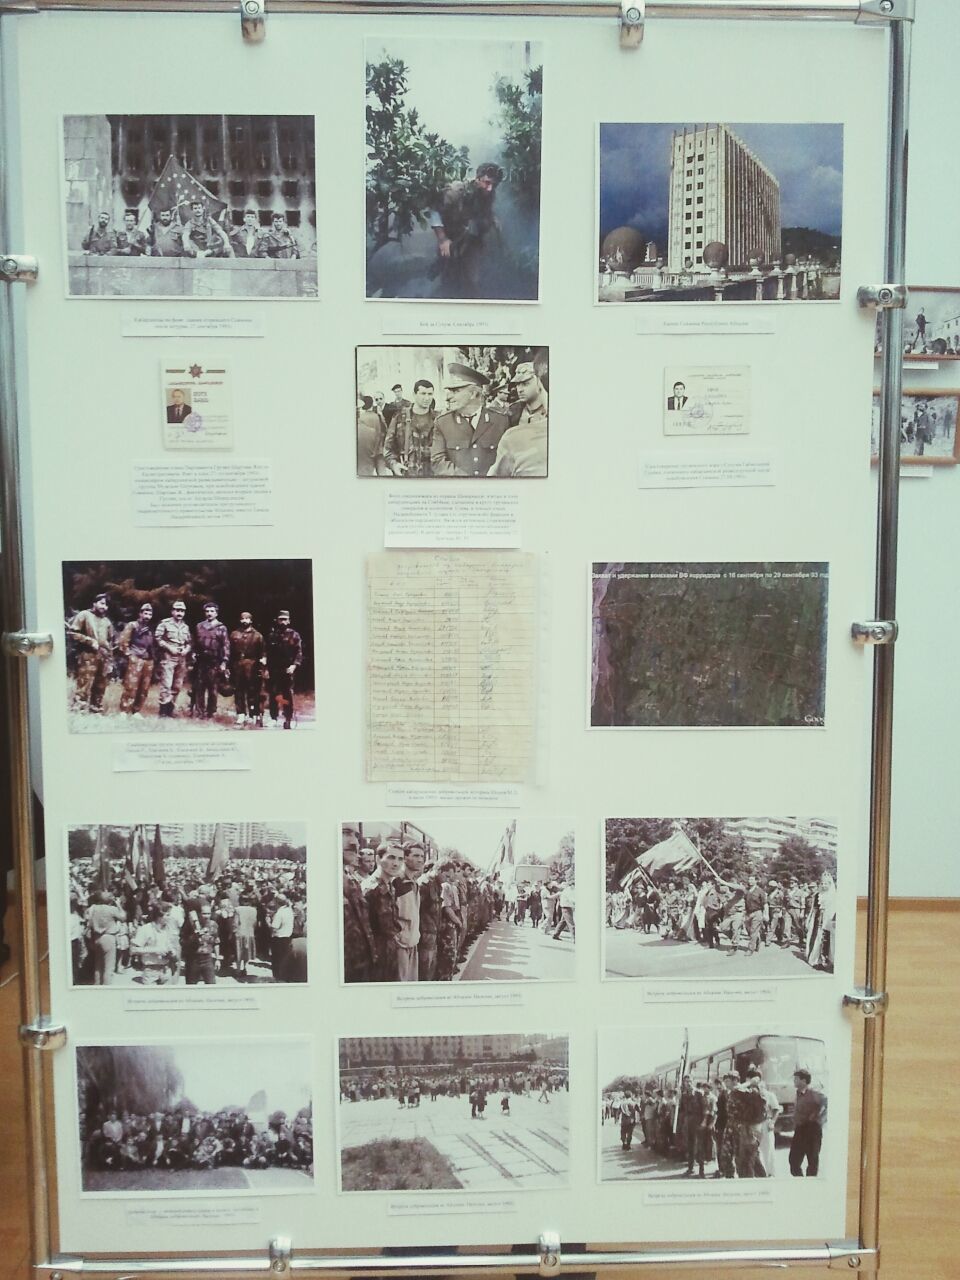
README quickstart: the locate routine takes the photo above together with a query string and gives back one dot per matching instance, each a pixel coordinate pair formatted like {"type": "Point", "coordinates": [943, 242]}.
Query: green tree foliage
{"type": "Point", "coordinates": [521, 120]}
{"type": "Point", "coordinates": [408, 165]}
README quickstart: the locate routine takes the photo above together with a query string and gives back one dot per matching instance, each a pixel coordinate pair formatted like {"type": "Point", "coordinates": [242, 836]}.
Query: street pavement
{"type": "Point", "coordinates": [528, 1148]}
{"type": "Point", "coordinates": [509, 952]}
{"type": "Point", "coordinates": [641, 1162]}
{"type": "Point", "coordinates": [631, 954]}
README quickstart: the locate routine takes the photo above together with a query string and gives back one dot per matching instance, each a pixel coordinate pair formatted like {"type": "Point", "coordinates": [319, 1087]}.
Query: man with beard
{"type": "Point", "coordinates": [465, 438]}
{"type": "Point", "coordinates": [278, 241]}
{"type": "Point", "coordinates": [100, 239]}
{"type": "Point", "coordinates": [93, 633]}
{"type": "Point", "coordinates": [204, 237]}
{"type": "Point", "coordinates": [131, 241]}
{"type": "Point", "coordinates": [462, 223]}
{"type": "Point", "coordinates": [247, 660]}
{"type": "Point", "coordinates": [284, 656]}
{"type": "Point", "coordinates": [410, 434]}
{"type": "Point", "coordinates": [139, 647]}
{"type": "Point", "coordinates": [165, 237]}
{"type": "Point", "coordinates": [358, 947]}
{"type": "Point", "coordinates": [213, 649]}
{"type": "Point", "coordinates": [381, 900]}
{"type": "Point", "coordinates": [522, 450]}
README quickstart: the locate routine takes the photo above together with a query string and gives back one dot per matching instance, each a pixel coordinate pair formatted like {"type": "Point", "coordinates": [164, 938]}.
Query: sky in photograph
{"type": "Point", "coordinates": [636, 1050]}
{"type": "Point", "coordinates": [479, 839]}
{"type": "Point", "coordinates": [229, 1074]}
{"type": "Point", "coordinates": [450, 82]}
{"type": "Point", "coordinates": [806, 159]}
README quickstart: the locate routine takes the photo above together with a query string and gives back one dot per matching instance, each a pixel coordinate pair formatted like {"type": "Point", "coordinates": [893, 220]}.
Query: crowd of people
{"type": "Point", "coordinates": [408, 917]}
{"type": "Point", "coordinates": [191, 929]}
{"type": "Point", "coordinates": [725, 1121]}
{"type": "Point", "coordinates": [923, 424]}
{"type": "Point", "coordinates": [181, 1138]}
{"type": "Point", "coordinates": [475, 1083]}
{"type": "Point", "coordinates": [494, 423]}
{"type": "Point", "coordinates": [205, 662]}
{"type": "Point", "coordinates": [189, 231]}
{"type": "Point", "coordinates": [732, 915]}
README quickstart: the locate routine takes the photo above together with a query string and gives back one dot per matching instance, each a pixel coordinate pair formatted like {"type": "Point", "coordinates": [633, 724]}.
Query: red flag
{"type": "Point", "coordinates": [156, 859]}
{"type": "Point", "coordinates": [176, 187]}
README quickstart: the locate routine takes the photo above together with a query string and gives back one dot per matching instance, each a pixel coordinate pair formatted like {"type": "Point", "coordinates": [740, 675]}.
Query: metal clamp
{"type": "Point", "coordinates": [874, 632]}
{"type": "Point", "coordinates": [27, 644]}
{"type": "Point", "coordinates": [19, 267]}
{"type": "Point", "coordinates": [632, 16]}
{"type": "Point", "coordinates": [886, 11]}
{"type": "Point", "coordinates": [253, 20]}
{"type": "Point", "coordinates": [871, 1004]}
{"type": "Point", "coordinates": [848, 1256]}
{"type": "Point", "coordinates": [881, 297]}
{"type": "Point", "coordinates": [281, 1250]}
{"type": "Point", "coordinates": [43, 1034]}
{"type": "Point", "coordinates": [548, 1247]}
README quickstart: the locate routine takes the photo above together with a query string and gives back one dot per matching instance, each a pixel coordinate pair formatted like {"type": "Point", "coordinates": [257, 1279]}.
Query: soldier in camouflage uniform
{"type": "Point", "coordinates": [461, 223]}
{"type": "Point", "coordinates": [213, 650]}
{"type": "Point", "coordinates": [92, 631]}
{"type": "Point", "coordinates": [451, 924]}
{"type": "Point", "coordinates": [727, 1129]}
{"type": "Point", "coordinates": [358, 946]}
{"type": "Point", "coordinates": [409, 437]}
{"type": "Point", "coordinates": [248, 657]}
{"type": "Point", "coordinates": [430, 894]}
{"type": "Point", "coordinates": [284, 656]}
{"type": "Point", "coordinates": [140, 649]}
{"type": "Point", "coordinates": [382, 910]}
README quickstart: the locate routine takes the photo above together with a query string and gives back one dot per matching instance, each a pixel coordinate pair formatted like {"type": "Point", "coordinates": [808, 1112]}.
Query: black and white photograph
{"type": "Point", "coordinates": [196, 1118]}
{"type": "Point", "coordinates": [454, 1112]}
{"type": "Point", "coordinates": [711, 1102]}
{"type": "Point", "coordinates": [159, 904]}
{"type": "Point", "coordinates": [931, 323]}
{"type": "Point", "coordinates": [719, 212]}
{"type": "Point", "coordinates": [453, 138]}
{"type": "Point", "coordinates": [928, 426]}
{"type": "Point", "coordinates": [719, 897]}
{"type": "Point", "coordinates": [708, 644]}
{"type": "Point", "coordinates": [453, 412]}
{"type": "Point", "coordinates": [187, 645]}
{"type": "Point", "coordinates": [190, 206]}
{"type": "Point", "coordinates": [470, 900]}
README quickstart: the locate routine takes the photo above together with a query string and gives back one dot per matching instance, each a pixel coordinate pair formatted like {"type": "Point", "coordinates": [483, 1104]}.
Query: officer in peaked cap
{"type": "Point", "coordinates": [465, 438]}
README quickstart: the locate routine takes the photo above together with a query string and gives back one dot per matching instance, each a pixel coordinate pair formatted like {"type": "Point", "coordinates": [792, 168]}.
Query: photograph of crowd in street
{"type": "Point", "coordinates": [466, 901]}
{"type": "Point", "coordinates": [685, 897]}
{"type": "Point", "coordinates": [931, 324]}
{"type": "Point", "coordinates": [453, 132]}
{"type": "Point", "coordinates": [208, 1118]}
{"type": "Point", "coordinates": [720, 212]}
{"type": "Point", "coordinates": [173, 904]}
{"type": "Point", "coordinates": [710, 1102]}
{"type": "Point", "coordinates": [197, 206]}
{"type": "Point", "coordinates": [452, 411]}
{"type": "Point", "coordinates": [454, 1112]}
{"type": "Point", "coordinates": [708, 645]}
{"type": "Point", "coordinates": [928, 426]}
{"type": "Point", "coordinates": [188, 645]}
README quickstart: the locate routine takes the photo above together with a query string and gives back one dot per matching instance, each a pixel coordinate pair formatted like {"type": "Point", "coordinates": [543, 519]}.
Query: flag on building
{"type": "Point", "coordinates": [156, 860]}
{"type": "Point", "coordinates": [219, 855]}
{"type": "Point", "coordinates": [176, 188]}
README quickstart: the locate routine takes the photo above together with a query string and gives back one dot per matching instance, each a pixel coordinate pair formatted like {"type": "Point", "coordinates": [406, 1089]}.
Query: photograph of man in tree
{"type": "Point", "coordinates": [453, 169]}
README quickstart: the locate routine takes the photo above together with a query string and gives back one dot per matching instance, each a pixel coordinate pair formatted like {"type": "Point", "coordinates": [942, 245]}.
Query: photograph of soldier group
{"type": "Point", "coordinates": [233, 1117]}
{"type": "Point", "coordinates": [187, 904]}
{"type": "Point", "coordinates": [454, 1112]}
{"type": "Point", "coordinates": [224, 644]}
{"type": "Point", "coordinates": [469, 901]}
{"type": "Point", "coordinates": [466, 412]}
{"type": "Point", "coordinates": [453, 133]}
{"type": "Point", "coordinates": [731, 1103]}
{"type": "Point", "coordinates": [685, 897]}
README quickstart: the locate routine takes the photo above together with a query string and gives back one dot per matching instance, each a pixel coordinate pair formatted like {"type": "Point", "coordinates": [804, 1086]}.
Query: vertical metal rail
{"type": "Point", "coordinates": [13, 604]}
{"type": "Point", "coordinates": [891, 320]}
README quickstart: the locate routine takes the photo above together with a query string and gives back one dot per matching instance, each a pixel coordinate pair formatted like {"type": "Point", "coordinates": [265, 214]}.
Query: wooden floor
{"type": "Point", "coordinates": [920, 1219]}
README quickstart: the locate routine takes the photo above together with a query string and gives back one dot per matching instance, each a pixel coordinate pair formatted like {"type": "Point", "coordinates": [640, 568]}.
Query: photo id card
{"type": "Point", "coordinates": [197, 406]}
{"type": "Point", "coordinates": [706, 401]}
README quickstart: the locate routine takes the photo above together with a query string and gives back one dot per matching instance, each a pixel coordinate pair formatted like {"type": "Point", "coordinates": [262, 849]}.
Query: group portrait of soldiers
{"type": "Point", "coordinates": [483, 414]}
{"type": "Point", "coordinates": [191, 231]}
{"type": "Point", "coordinates": [243, 676]}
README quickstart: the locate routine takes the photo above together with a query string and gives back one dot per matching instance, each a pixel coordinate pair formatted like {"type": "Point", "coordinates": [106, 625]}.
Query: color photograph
{"type": "Point", "coordinates": [208, 1118]}
{"type": "Point", "coordinates": [459, 901]}
{"type": "Point", "coordinates": [720, 897]}
{"type": "Point", "coordinates": [717, 1102]}
{"type": "Point", "coordinates": [187, 903]}
{"type": "Point", "coordinates": [190, 206]}
{"type": "Point", "coordinates": [454, 412]}
{"type": "Point", "coordinates": [454, 1112]}
{"type": "Point", "coordinates": [719, 212]}
{"type": "Point", "coordinates": [187, 645]}
{"type": "Point", "coordinates": [453, 135]}
{"type": "Point", "coordinates": [708, 645]}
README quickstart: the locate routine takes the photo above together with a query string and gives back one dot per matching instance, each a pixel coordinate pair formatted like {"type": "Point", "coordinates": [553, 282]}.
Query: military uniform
{"type": "Point", "coordinates": [165, 242]}
{"type": "Point", "coordinates": [385, 930]}
{"type": "Point", "coordinates": [466, 214]}
{"type": "Point", "coordinates": [409, 442]}
{"type": "Point", "coordinates": [246, 650]}
{"type": "Point", "coordinates": [131, 244]}
{"type": "Point", "coordinates": [277, 244]}
{"type": "Point", "coordinates": [95, 634]}
{"type": "Point", "coordinates": [462, 447]}
{"type": "Point", "coordinates": [213, 649]}
{"type": "Point", "coordinates": [100, 240]}
{"type": "Point", "coordinates": [746, 1109]}
{"type": "Point", "coordinates": [137, 643]}
{"type": "Point", "coordinates": [200, 942]}
{"type": "Point", "coordinates": [430, 894]}
{"type": "Point", "coordinates": [174, 645]}
{"type": "Point", "coordinates": [359, 952]}
{"type": "Point", "coordinates": [206, 237]}
{"type": "Point", "coordinates": [284, 649]}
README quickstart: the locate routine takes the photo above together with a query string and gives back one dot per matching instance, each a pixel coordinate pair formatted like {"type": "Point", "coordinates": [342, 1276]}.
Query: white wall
{"type": "Point", "coordinates": [926, 799]}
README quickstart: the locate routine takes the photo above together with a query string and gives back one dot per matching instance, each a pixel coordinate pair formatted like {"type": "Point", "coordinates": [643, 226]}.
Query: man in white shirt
{"type": "Point", "coordinates": [567, 904]}
{"type": "Point", "coordinates": [281, 932]}
{"type": "Point", "coordinates": [407, 892]}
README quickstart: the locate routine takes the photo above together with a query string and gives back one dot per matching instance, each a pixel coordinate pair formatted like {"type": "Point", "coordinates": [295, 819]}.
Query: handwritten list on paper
{"type": "Point", "coordinates": [450, 666]}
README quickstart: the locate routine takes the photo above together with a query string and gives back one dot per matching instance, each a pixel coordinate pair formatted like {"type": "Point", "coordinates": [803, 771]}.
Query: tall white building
{"type": "Point", "coordinates": [764, 836]}
{"type": "Point", "coordinates": [719, 190]}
